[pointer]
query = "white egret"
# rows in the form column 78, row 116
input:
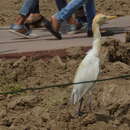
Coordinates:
column 89, row 67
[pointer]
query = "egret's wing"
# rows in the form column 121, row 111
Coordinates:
column 87, row 71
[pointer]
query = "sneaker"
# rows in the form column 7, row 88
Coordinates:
column 21, row 30
column 77, row 29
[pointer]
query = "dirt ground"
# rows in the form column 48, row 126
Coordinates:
column 9, row 8
column 50, row 109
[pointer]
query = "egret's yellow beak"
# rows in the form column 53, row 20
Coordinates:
column 111, row 17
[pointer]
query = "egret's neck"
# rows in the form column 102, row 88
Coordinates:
column 97, row 38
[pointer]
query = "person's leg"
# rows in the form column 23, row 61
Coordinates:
column 61, row 4
column 80, row 15
column 65, row 13
column 71, row 7
column 90, row 14
column 29, row 6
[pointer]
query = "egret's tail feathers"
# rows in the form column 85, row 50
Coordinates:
column 74, row 98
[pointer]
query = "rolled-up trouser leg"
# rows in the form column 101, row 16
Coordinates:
column 69, row 9
column 29, row 6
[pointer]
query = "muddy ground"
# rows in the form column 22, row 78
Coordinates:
column 50, row 109
column 9, row 8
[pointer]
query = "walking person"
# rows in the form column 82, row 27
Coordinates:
column 30, row 8
column 30, row 14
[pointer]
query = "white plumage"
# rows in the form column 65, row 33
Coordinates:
column 88, row 70
column 89, row 67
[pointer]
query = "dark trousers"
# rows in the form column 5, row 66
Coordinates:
column 61, row 4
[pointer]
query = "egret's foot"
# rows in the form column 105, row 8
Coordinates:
column 77, row 114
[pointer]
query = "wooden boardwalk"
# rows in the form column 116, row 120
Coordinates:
column 10, row 43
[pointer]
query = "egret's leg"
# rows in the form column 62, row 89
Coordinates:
column 79, row 108
column 90, row 101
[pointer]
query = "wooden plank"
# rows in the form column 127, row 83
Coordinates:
column 10, row 43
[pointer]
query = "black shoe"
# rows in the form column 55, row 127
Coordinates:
column 49, row 27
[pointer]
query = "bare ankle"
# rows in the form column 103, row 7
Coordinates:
column 55, row 23
column 20, row 19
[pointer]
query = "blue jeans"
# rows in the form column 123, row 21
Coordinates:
column 73, row 5
column 29, row 6
column 32, row 6
column 62, row 3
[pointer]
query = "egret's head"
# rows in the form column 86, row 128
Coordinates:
column 101, row 18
